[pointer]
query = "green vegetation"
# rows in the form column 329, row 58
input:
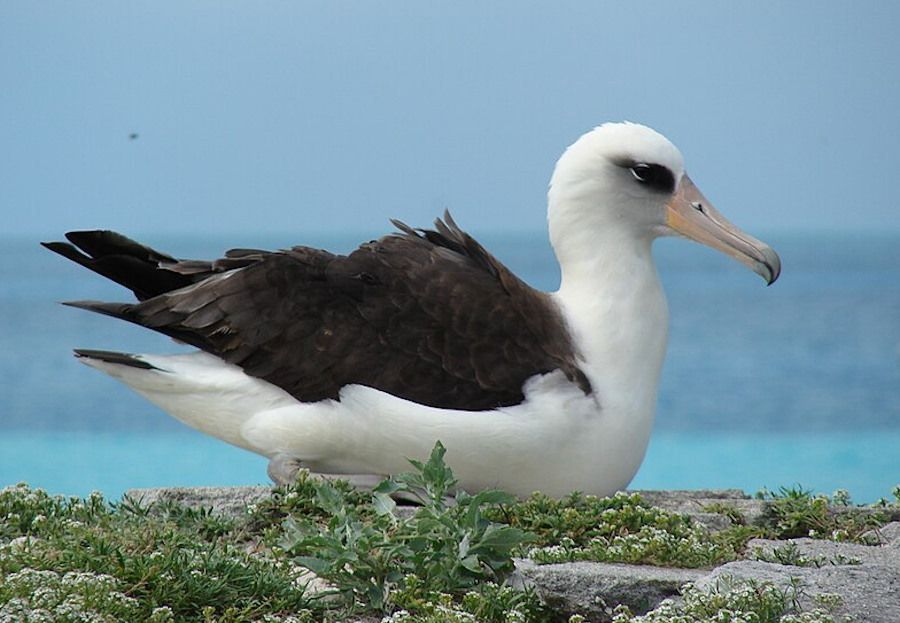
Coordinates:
column 125, row 563
column 790, row 555
column 618, row 529
column 489, row 603
column 443, row 561
column 737, row 602
column 449, row 547
column 796, row 512
column 726, row 510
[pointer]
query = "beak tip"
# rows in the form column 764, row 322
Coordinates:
column 771, row 265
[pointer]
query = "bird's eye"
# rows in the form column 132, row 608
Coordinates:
column 655, row 176
column 641, row 172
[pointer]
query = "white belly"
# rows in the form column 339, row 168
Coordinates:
column 558, row 440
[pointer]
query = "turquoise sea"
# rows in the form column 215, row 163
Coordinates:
column 798, row 383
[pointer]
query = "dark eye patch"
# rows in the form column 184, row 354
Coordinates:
column 654, row 176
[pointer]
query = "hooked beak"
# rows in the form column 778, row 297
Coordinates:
column 690, row 214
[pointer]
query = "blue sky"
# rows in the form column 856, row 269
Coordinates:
column 267, row 117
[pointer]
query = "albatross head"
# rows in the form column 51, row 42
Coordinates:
column 624, row 183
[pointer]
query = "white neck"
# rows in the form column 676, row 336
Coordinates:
column 611, row 297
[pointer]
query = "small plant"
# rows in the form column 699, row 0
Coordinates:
column 790, row 554
column 300, row 498
column 450, row 547
column 893, row 503
column 795, row 512
column 841, row 497
column 735, row 516
column 735, row 602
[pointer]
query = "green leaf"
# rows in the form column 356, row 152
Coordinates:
column 388, row 486
column 471, row 563
column 383, row 504
column 375, row 596
column 316, row 565
column 492, row 496
column 463, row 547
column 500, row 538
column 329, row 498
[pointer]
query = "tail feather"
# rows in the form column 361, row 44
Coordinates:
column 121, row 259
column 101, row 242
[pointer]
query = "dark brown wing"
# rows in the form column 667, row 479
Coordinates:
column 429, row 316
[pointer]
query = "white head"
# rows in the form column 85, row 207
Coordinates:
column 624, row 184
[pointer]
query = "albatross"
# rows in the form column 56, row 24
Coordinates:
column 350, row 364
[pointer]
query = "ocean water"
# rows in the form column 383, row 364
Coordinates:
column 798, row 383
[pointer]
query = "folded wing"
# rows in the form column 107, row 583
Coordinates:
column 426, row 315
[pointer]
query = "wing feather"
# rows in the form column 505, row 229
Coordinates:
column 427, row 315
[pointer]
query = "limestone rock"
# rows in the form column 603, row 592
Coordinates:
column 696, row 503
column 228, row 501
column 821, row 553
column 888, row 534
column 593, row 589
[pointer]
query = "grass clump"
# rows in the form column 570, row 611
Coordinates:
column 735, row 601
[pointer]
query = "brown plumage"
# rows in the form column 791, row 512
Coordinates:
column 426, row 315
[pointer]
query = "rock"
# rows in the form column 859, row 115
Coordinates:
column 698, row 502
column 888, row 534
column 593, row 589
column 822, row 553
column 714, row 522
column 677, row 497
column 869, row 591
column 891, row 533
column 231, row 502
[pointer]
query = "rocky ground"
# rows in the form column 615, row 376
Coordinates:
column 861, row 582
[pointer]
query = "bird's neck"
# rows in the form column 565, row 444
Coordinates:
column 613, row 302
